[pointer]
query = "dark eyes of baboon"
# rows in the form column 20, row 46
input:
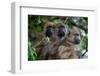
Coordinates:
column 49, row 31
column 61, row 31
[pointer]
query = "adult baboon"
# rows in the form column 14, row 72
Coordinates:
column 68, row 49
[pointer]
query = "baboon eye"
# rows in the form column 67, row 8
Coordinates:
column 49, row 31
column 61, row 31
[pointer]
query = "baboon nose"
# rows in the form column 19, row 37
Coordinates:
column 77, row 41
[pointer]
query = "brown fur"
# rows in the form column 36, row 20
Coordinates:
column 49, row 51
column 67, row 50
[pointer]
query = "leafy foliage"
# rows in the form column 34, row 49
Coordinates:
column 32, row 55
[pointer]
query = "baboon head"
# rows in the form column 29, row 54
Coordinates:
column 74, row 35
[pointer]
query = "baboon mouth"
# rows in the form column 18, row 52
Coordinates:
column 75, row 42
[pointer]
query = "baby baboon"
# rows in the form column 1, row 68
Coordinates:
column 56, row 34
column 68, row 49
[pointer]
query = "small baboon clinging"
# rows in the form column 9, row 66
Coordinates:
column 68, row 49
column 56, row 34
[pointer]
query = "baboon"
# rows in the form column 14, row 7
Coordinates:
column 56, row 34
column 68, row 49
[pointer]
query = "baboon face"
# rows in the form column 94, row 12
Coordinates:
column 61, row 31
column 56, row 31
column 74, row 35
